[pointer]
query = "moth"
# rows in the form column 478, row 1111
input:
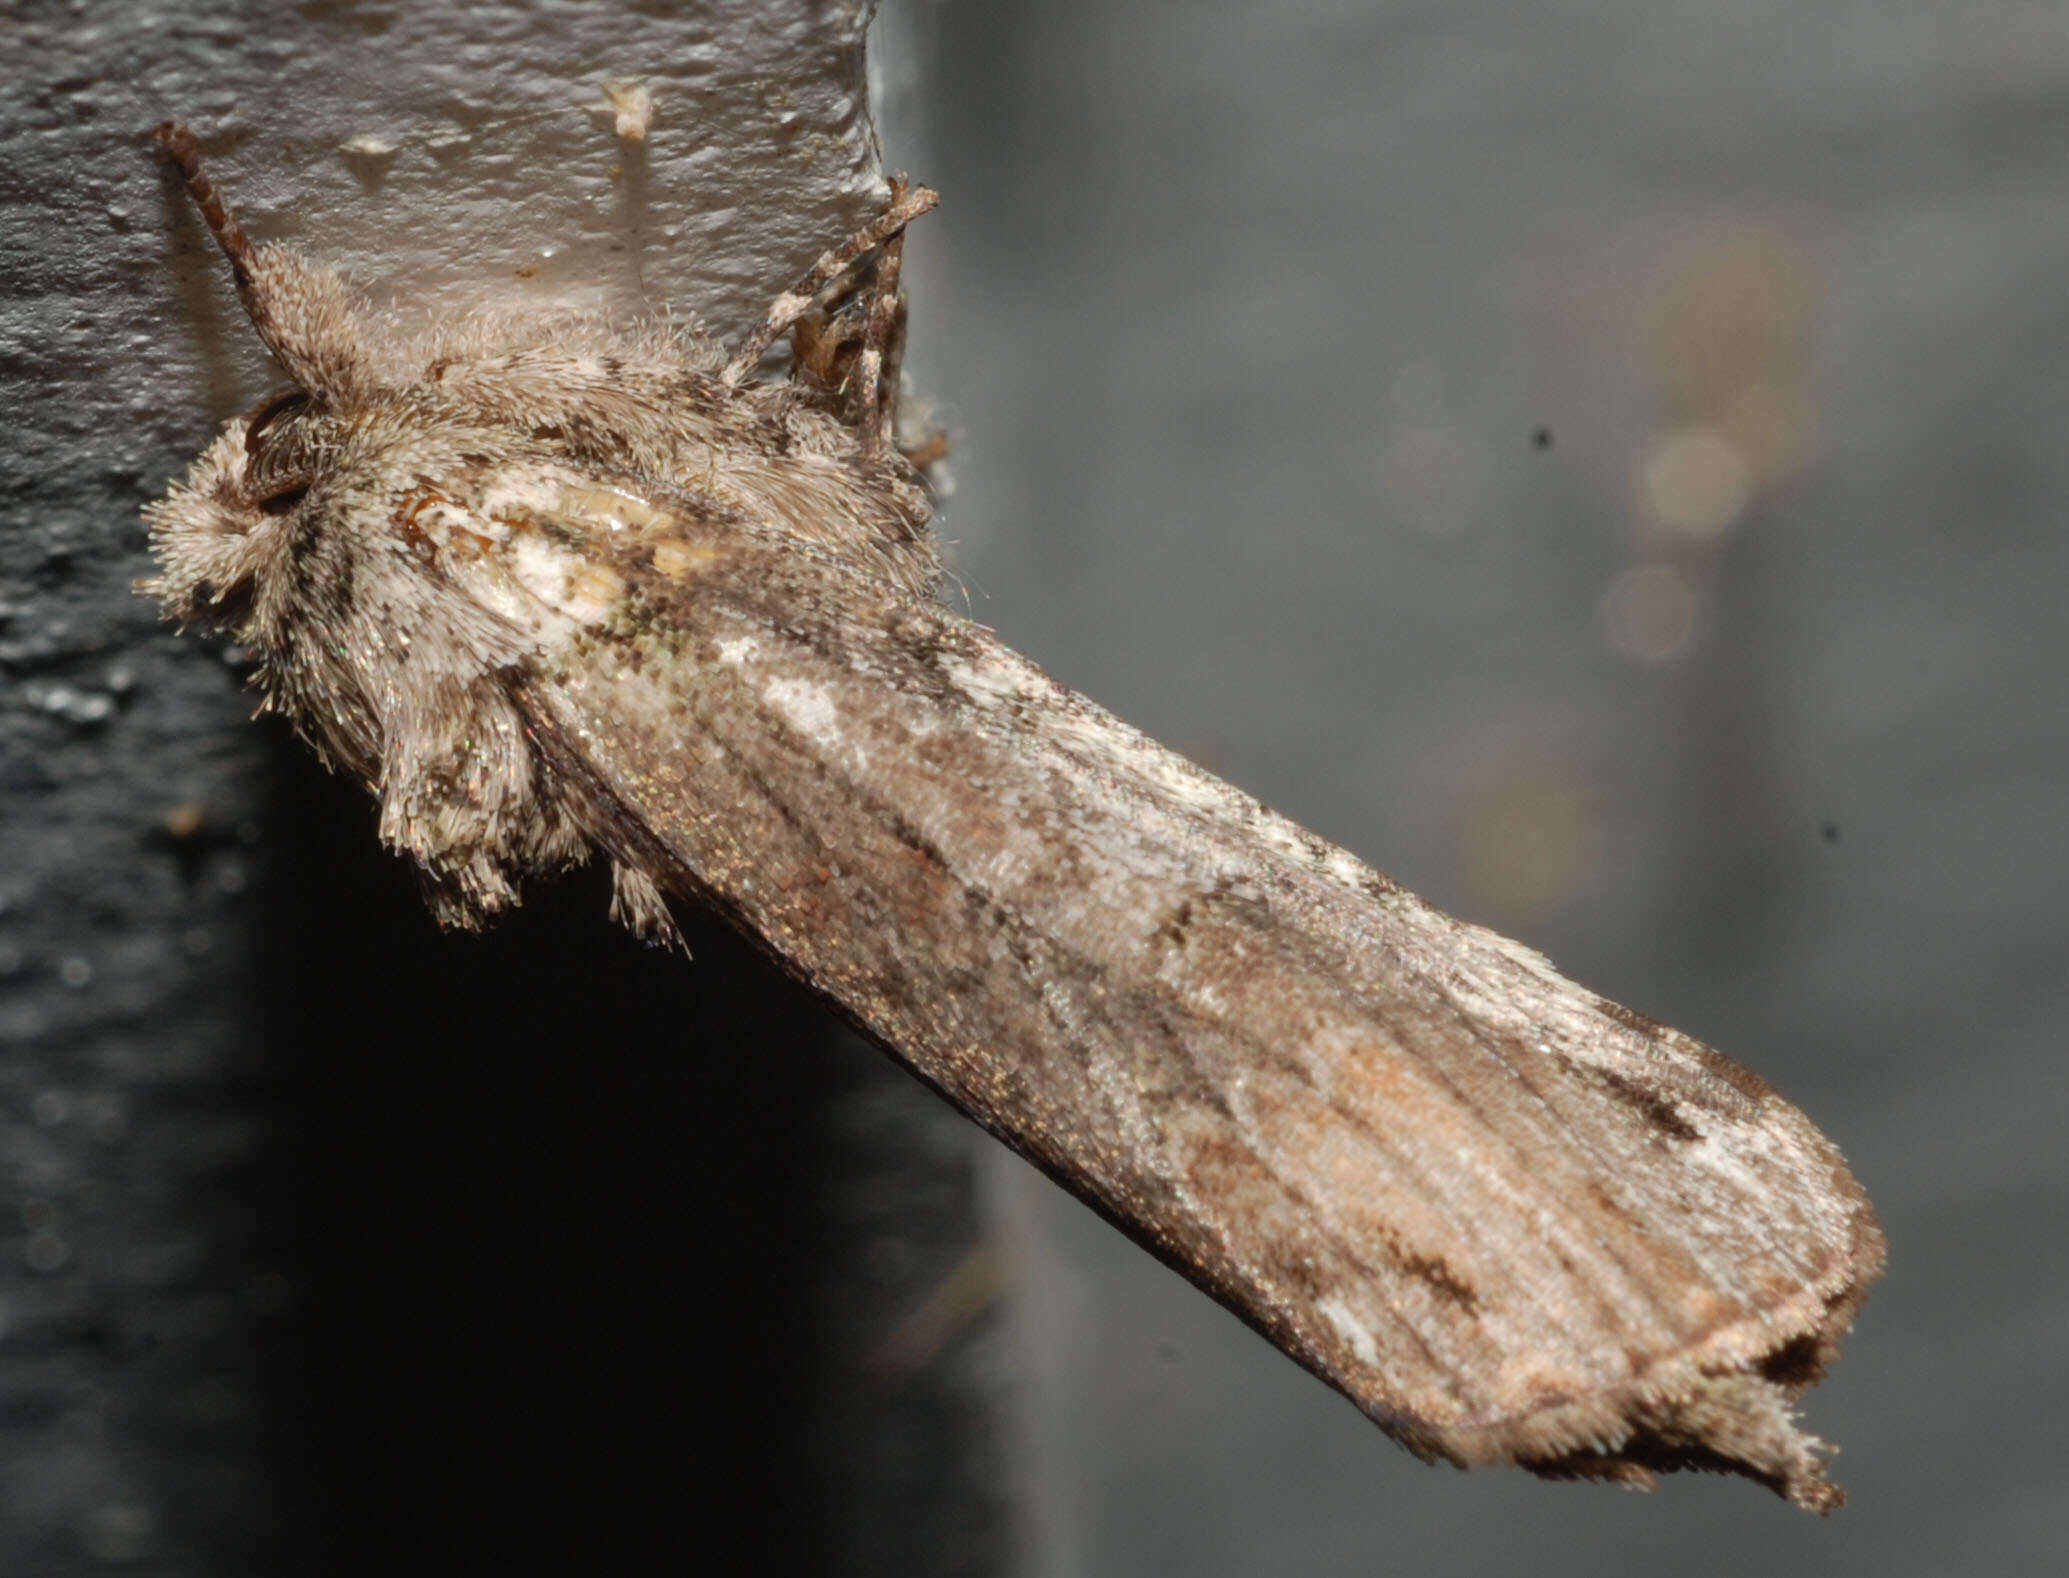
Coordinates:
column 553, row 588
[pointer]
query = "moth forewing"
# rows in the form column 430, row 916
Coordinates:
column 1507, row 1218
column 549, row 587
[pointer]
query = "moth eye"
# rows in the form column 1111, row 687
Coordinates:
column 225, row 606
column 283, row 501
column 281, row 405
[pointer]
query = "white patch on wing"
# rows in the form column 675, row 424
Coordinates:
column 1351, row 1329
column 994, row 682
column 509, row 494
column 1346, row 867
column 564, row 581
column 441, row 518
column 807, row 707
column 540, row 568
column 738, row 651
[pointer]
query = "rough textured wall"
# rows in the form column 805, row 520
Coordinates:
column 329, row 1242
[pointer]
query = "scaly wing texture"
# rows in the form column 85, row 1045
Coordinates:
column 1507, row 1218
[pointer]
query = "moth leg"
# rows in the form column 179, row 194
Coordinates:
column 824, row 282
column 823, row 345
column 931, row 446
column 835, row 349
column 894, row 341
column 883, row 330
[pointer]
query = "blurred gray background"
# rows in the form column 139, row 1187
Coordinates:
column 1607, row 465
column 1601, row 464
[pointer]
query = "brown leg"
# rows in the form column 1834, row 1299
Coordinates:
column 827, row 351
column 931, row 446
column 823, row 284
column 876, row 401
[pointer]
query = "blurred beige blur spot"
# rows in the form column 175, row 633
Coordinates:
column 1696, row 482
column 1733, row 338
column 1731, row 341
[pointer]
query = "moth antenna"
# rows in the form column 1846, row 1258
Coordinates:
column 822, row 282
column 301, row 313
column 179, row 144
column 185, row 153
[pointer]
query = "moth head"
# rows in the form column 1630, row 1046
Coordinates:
column 216, row 535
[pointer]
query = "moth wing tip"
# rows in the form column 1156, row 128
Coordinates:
column 1739, row 1423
